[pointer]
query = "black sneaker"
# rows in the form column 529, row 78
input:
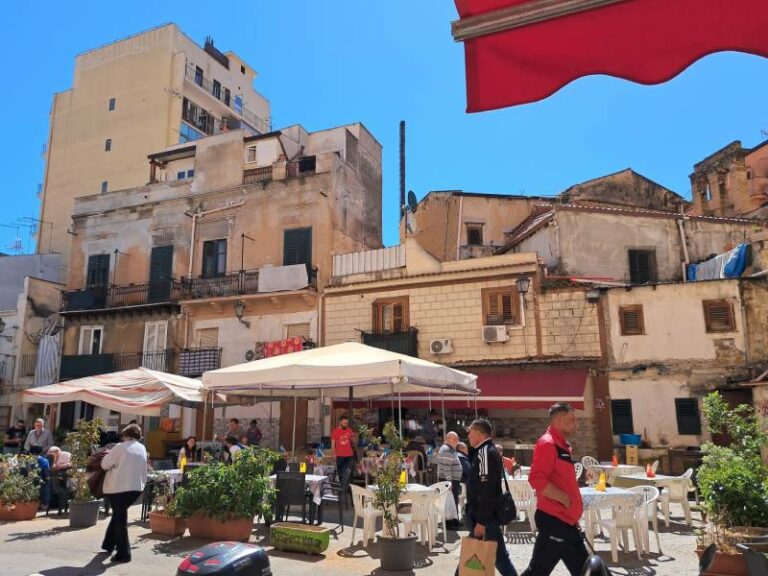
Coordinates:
column 121, row 558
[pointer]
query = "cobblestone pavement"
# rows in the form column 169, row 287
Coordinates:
column 48, row 546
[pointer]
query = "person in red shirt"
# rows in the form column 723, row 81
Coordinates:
column 342, row 445
column 558, row 500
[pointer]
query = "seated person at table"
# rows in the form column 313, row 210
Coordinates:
column 44, row 465
column 416, row 446
column 62, row 460
column 189, row 452
column 253, row 434
column 231, row 448
column 15, row 436
column 509, row 463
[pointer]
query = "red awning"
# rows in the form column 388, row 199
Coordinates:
column 545, row 44
column 510, row 389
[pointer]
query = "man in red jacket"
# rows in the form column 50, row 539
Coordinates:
column 558, row 500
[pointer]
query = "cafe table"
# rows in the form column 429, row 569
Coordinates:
column 314, row 484
column 659, row 480
column 612, row 472
column 595, row 500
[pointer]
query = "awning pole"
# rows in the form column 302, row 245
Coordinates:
column 350, row 409
column 205, row 414
column 293, row 439
column 320, row 416
column 445, row 422
column 475, row 399
column 400, row 412
column 271, row 422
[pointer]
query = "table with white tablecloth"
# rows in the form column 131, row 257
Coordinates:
column 314, row 484
column 451, row 512
column 611, row 471
column 175, row 475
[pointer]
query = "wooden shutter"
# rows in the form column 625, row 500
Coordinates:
column 500, row 307
column 390, row 316
column 718, row 316
column 621, row 417
column 160, row 273
column 688, row 418
column 642, row 266
column 631, row 320
column 208, row 338
column 297, row 247
column 296, row 330
column 98, row 271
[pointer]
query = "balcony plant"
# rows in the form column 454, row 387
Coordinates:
column 84, row 507
column 165, row 519
column 19, row 487
column 220, row 500
column 732, row 481
column 396, row 552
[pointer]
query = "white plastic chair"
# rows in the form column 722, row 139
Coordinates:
column 578, row 468
column 420, row 515
column 361, row 499
column 655, row 466
column 692, row 487
column 624, row 519
column 443, row 492
column 525, row 500
column 462, row 500
column 676, row 491
column 648, row 511
column 590, row 465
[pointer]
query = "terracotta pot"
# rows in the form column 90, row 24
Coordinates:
column 160, row 523
column 19, row 511
column 203, row 526
column 726, row 564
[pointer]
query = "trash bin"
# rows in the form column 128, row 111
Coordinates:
column 226, row 559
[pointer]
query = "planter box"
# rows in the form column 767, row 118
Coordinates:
column 84, row 514
column 19, row 511
column 296, row 537
column 160, row 523
column 726, row 564
column 203, row 526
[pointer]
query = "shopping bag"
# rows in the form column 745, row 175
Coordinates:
column 478, row 557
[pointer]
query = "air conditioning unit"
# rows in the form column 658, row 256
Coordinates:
column 441, row 346
column 495, row 334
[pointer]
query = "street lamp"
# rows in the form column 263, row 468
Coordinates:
column 239, row 312
column 523, row 283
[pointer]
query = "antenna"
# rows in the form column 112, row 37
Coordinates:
column 402, row 168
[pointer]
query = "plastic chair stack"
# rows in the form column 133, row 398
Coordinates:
column 648, row 511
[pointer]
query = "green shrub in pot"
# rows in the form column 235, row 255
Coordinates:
column 20, row 481
column 241, row 489
column 82, row 444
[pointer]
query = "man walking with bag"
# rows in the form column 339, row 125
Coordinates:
column 558, row 500
column 484, row 495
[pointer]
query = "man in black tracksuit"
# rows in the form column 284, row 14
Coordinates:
column 484, row 493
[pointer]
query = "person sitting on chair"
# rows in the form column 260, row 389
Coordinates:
column 62, row 460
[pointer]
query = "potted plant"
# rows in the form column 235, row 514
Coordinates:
column 732, row 483
column 165, row 519
column 396, row 553
column 371, row 444
column 84, row 507
column 19, row 487
column 220, row 500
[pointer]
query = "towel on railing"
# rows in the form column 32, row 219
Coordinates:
column 279, row 278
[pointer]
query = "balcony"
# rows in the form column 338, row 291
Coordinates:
column 400, row 342
column 257, row 175
column 121, row 296
column 193, row 362
column 301, row 167
column 81, row 365
column 28, row 365
column 234, row 284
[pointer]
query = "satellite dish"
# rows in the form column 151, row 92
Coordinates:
column 412, row 203
column 250, row 355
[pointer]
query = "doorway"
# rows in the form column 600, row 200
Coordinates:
column 287, row 417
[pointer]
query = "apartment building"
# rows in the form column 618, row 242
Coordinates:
column 130, row 98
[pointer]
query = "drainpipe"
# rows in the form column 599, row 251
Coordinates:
column 458, row 229
column 200, row 214
column 685, row 249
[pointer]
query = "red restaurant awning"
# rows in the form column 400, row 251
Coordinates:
column 520, row 51
column 510, row 389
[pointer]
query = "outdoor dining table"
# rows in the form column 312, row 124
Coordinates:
column 314, row 484
column 175, row 475
column 659, row 480
column 369, row 464
column 612, row 472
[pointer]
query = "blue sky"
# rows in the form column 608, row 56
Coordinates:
column 326, row 63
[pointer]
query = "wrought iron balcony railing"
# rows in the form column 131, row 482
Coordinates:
column 194, row 361
column 121, row 296
column 257, row 175
column 234, row 284
column 81, row 365
column 400, row 342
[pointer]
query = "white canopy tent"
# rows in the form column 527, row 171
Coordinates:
column 338, row 371
column 140, row 391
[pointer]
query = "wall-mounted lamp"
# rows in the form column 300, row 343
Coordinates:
column 523, row 284
column 239, row 312
column 593, row 295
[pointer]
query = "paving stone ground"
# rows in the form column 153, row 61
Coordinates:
column 48, row 546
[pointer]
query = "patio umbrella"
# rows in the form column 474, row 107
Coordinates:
column 520, row 51
column 140, row 391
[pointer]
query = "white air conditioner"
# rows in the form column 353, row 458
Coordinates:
column 441, row 346
column 495, row 334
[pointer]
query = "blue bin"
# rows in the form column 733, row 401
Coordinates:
column 630, row 439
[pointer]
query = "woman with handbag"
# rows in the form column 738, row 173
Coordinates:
column 126, row 466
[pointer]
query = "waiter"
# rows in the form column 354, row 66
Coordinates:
column 558, row 500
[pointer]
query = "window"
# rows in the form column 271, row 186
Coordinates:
column 207, row 338
column 501, row 306
column 475, row 234
column 155, row 336
column 238, row 104
column 242, row 69
column 111, row 104
column 107, row 144
column 631, row 320
column 390, row 315
column 91, row 338
column 188, row 134
column 642, row 266
column 718, row 316
column 104, row 186
column 214, row 258
column 688, row 418
column 227, row 96
column 181, row 175
column 250, row 154
column 97, row 272
column 190, row 173
column 198, row 76
column 621, row 417
column 307, row 164
column 296, row 330
column 297, row 247
column 216, row 89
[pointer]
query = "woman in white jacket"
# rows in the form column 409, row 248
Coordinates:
column 126, row 466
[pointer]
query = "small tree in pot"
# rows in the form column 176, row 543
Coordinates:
column 165, row 519
column 396, row 552
column 84, row 507
column 19, row 487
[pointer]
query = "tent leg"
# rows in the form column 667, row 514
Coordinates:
column 205, row 414
column 400, row 413
column 445, row 422
column 293, row 439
